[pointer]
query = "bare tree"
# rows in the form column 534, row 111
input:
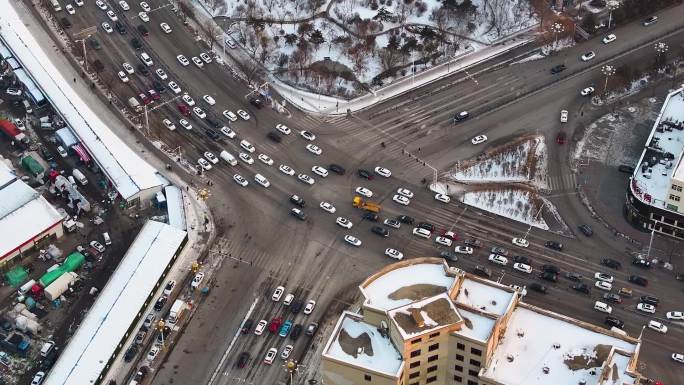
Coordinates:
column 210, row 32
column 187, row 9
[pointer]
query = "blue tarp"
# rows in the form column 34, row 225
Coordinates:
column 66, row 137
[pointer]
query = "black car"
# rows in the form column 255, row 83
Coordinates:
column 242, row 360
column 274, row 136
column 482, row 271
column 550, row 269
column 640, row 262
column 65, row 23
column 120, row 28
column 299, row 214
column 612, row 321
column 143, row 69
column 649, row 20
column 163, row 335
column 143, row 30
column 381, row 231
column 142, row 373
column 365, row 174
column 538, row 287
column 247, row 325
column 582, row 288
column 405, row 219
column 256, row 102
column 136, row 43
column 613, row 264
column 573, row 276
column 427, row 226
column 212, row 134
column 450, row 255
column 130, row 353
column 160, row 303
column 522, row 259
column 554, row 245
column 296, row 332
column 337, row 169
column 373, row 217
column 548, row 276
column 649, row 299
column 47, row 155
column 213, row 122
column 638, row 280
column 586, row 230
column 94, row 43
column 626, row 169
column 296, row 199
column 558, row 69
column 296, row 307
column 461, row 116
column 472, row 242
column 158, row 86
column 612, row 297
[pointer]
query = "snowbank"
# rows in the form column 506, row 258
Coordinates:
column 514, row 204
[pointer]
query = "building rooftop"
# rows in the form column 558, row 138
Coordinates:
column 475, row 326
column 7, row 176
column 361, row 344
column 424, row 316
column 662, row 153
column 489, row 297
column 541, row 348
column 406, row 284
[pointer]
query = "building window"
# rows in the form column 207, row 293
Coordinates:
column 471, row 382
column 674, row 197
column 472, row 372
column 677, row 188
column 475, row 363
column 460, row 346
column 415, row 353
column 433, row 347
column 458, row 368
column 431, row 379
column 459, row 357
column 367, row 377
column 458, row 378
column 433, row 358
column 414, row 364
column 476, row 352
column 416, row 341
column 432, row 368
column 414, row 375
column 433, row 335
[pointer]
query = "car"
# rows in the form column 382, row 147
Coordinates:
column 246, row 158
column 161, row 301
column 479, row 139
column 402, row 200
column 522, row 267
column 296, row 331
column 461, row 116
column 384, row 172
column 274, row 326
column 199, row 112
column 587, row 91
column 205, row 57
column 154, row 95
column 244, row 115
column 204, row 164
column 265, row 159
column 365, row 174
column 70, row 9
column 135, row 42
column 352, row 240
column 318, row 170
column 373, row 217
column 393, row 253
column 603, row 307
column 97, row 246
column 188, row 100
column 498, row 259
column 242, row 360
column 230, row 115
column 287, row 170
column 472, row 242
column 463, row 249
column 442, row 198
column 501, row 251
column 112, row 16
column 197, row 280
column 548, row 276
column 13, row 91
column 391, row 222
column 145, row 6
column 165, row 27
column 649, row 300
column 646, row 308
column 144, row 72
column 228, row 132
column 283, row 129
column 405, row 219
column 38, row 378
column 62, row 152
column 582, row 288
column 107, row 28
column 144, row 98
column 169, row 287
column 247, row 146
column 521, row 242
column 573, row 276
column 609, row 38
column 612, row 297
column 678, row 357
column 604, row 277
column 650, row 20
column 209, row 100
column 554, row 245
column 149, row 320
column 614, row 322
column 326, row 206
column 558, row 69
column 124, row 5
column 143, row 30
column 239, row 179
column 641, row 262
column 174, row 87
column 185, row 124
column 260, row 327
column 140, row 336
column 94, row 43
column 312, row 148
column 79, row 3
column 522, row 259
column 444, row 241
column 211, row 157
column 306, row 179
column 538, row 287
column 310, row 305
column 270, row 356
column 169, row 124
column 285, row 353
column 564, row 116
column 675, row 315
column 197, row 61
column 299, row 214
column 287, row 301
column 603, row 285
column 183, row 60
column 277, row 293
column 588, row 56
column 131, row 352
column 364, row 192
column 482, row 271
column 561, row 138
column 296, row 307
column 611, row 263
column 307, row 135
column 638, row 280
column 100, row 4
column 586, row 230
column 122, row 76
column 405, row 192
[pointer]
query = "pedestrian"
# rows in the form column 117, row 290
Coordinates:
column 74, row 80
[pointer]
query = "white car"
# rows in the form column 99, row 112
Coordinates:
column 391, row 222
column 364, row 192
column 344, row 222
column 78, row 3
column 198, row 62
column 609, row 39
column 145, row 6
column 210, row 101
column 402, row 200
column 260, row 179
column 38, row 378
column 62, row 152
column 265, row 159
column 646, row 308
column 676, row 315
column 247, row 146
column 124, row 5
column 405, row 192
column 260, row 327
column 205, row 57
column 100, row 4
column 479, row 139
column 328, row 207
column 123, row 77
column 444, row 241
column 442, row 198
column 165, row 27
column 246, row 158
column 286, row 352
column 277, row 293
column 588, row 56
column 522, row 267
column 97, row 246
column 463, row 249
column 498, row 259
column 244, row 115
column 522, row 242
column 197, row 280
column 310, row 305
column 603, row 307
column 185, row 124
column 421, row 232
column 161, row 74
column 312, row 148
column 287, row 170
column 107, row 28
column 70, row 9
column 230, row 115
column 128, row 68
column 392, row 253
column 321, row 171
column 678, row 357
column 188, row 99
column 239, row 179
column 228, row 132
column 657, row 326
column 270, row 356
column 564, row 116
column 307, row 135
column 211, row 157
column 169, row 124
column 587, row 91
column 183, row 60
column 384, row 172
column 112, row 16
column 199, row 112
column 352, row 240
column 603, row 285
column 306, row 179
column 174, row 87
column 169, row 287
column 152, row 354
column 204, row 164
column 283, row 129
column 604, row 277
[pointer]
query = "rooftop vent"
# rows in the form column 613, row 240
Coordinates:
column 582, row 382
column 359, row 351
column 521, row 333
column 546, row 370
column 417, row 317
column 510, row 358
column 556, row 346
column 592, row 372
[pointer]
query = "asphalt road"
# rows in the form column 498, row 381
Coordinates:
column 310, row 258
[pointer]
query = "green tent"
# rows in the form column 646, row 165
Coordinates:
column 32, row 166
column 73, row 262
column 16, row 276
column 50, row 277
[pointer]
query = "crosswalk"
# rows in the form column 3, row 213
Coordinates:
column 559, row 183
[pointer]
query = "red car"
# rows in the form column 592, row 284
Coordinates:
column 184, row 109
column 154, row 95
column 274, row 326
column 144, row 98
column 451, row 235
column 560, row 138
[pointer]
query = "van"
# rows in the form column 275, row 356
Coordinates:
column 146, row 59
column 46, row 125
column 27, row 106
column 47, row 348
column 78, row 175
column 602, row 307
column 107, row 239
column 262, row 180
column 26, row 287
column 230, row 159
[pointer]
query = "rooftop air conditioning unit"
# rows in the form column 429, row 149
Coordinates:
column 582, row 382
column 546, row 369
column 556, row 346
column 510, row 358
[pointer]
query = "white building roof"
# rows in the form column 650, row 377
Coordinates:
column 117, row 305
column 129, row 173
column 435, row 312
column 489, row 297
column 175, row 207
column 407, row 284
column 361, row 344
column 6, row 175
column 475, row 326
column 534, row 341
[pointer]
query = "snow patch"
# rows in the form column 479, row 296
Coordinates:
column 515, row 204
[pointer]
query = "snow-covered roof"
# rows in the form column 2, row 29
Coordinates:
column 541, row 348
column 31, row 87
column 618, row 370
column 118, row 304
column 486, row 296
column 475, row 326
column 424, row 316
column 361, row 344
column 24, row 214
column 175, row 207
column 652, row 186
column 6, row 175
column 66, row 137
column 129, row 173
column 403, row 285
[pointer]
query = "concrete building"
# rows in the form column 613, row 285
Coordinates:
column 423, row 322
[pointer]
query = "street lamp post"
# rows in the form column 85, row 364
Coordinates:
column 608, row 71
column 661, row 49
column 612, row 5
column 556, row 28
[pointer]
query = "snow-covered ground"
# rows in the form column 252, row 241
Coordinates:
column 517, row 204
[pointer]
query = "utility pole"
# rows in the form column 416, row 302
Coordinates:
column 612, row 5
column 608, row 71
column 81, row 37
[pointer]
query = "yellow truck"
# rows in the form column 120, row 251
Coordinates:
column 365, row 205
